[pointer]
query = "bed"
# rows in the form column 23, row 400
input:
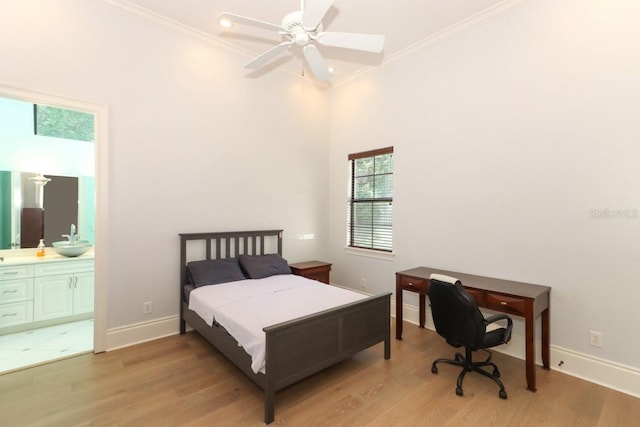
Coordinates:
column 296, row 348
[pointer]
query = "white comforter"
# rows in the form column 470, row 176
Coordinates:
column 245, row 307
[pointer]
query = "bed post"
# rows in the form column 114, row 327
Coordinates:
column 269, row 384
column 183, row 280
column 387, row 339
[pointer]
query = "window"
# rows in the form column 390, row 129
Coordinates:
column 63, row 123
column 371, row 200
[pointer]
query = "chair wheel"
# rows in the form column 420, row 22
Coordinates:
column 502, row 394
column 434, row 370
column 459, row 391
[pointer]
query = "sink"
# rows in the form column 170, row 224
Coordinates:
column 66, row 248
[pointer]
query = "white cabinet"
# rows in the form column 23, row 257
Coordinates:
column 16, row 295
column 63, row 289
column 45, row 292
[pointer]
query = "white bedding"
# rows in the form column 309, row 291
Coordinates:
column 245, row 307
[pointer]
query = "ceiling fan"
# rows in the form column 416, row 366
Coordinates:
column 304, row 28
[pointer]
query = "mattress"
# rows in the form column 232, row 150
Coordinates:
column 245, row 307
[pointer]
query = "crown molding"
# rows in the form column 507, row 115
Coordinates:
column 180, row 28
column 445, row 33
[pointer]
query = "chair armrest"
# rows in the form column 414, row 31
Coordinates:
column 498, row 317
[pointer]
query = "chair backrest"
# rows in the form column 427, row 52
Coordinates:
column 456, row 315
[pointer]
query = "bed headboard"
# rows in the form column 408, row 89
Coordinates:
column 229, row 244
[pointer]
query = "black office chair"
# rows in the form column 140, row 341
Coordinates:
column 457, row 318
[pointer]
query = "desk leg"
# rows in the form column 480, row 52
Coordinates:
column 545, row 338
column 398, row 311
column 530, row 347
column 423, row 309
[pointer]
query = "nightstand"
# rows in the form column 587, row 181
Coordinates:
column 316, row 270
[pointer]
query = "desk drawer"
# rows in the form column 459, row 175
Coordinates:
column 505, row 304
column 477, row 295
column 414, row 284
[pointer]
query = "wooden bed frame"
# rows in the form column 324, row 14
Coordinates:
column 297, row 348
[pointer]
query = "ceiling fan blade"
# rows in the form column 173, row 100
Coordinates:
column 233, row 18
column 267, row 56
column 356, row 41
column 316, row 63
column 313, row 12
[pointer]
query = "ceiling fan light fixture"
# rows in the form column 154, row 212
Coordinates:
column 301, row 38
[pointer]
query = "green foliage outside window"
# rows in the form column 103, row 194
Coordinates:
column 63, row 123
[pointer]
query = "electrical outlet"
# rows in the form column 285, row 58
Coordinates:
column 596, row 339
column 146, row 308
column 363, row 283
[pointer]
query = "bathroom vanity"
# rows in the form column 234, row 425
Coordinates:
column 43, row 291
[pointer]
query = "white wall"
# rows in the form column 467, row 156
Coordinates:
column 508, row 135
column 194, row 145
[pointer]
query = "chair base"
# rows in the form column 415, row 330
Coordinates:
column 469, row 365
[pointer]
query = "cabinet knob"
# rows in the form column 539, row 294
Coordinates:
column 9, row 273
column 503, row 303
column 9, row 314
column 12, row 291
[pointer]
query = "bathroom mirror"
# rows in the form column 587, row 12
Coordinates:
column 28, row 213
column 28, row 160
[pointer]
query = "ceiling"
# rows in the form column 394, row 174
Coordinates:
column 404, row 23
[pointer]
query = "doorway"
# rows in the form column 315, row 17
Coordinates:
column 96, row 326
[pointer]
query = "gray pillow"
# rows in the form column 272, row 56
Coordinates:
column 260, row 266
column 214, row 271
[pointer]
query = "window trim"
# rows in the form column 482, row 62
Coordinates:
column 360, row 250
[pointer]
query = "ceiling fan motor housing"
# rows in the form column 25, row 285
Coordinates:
column 292, row 23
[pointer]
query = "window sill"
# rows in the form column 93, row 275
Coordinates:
column 369, row 253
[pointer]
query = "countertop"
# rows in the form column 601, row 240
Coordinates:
column 28, row 256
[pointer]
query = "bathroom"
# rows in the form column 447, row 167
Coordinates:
column 46, row 191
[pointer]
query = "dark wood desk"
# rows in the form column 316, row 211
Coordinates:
column 520, row 299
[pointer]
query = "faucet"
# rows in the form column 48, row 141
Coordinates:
column 72, row 236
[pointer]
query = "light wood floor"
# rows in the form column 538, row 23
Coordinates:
column 183, row 381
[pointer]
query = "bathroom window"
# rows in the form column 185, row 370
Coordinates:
column 63, row 123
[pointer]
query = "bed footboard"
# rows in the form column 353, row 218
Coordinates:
column 304, row 346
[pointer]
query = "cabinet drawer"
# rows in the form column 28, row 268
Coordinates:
column 505, row 304
column 16, row 290
column 63, row 267
column 16, row 313
column 412, row 283
column 10, row 272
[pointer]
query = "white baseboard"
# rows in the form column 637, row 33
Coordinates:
column 603, row 372
column 599, row 371
column 137, row 333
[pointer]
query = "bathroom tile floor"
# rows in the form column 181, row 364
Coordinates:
column 37, row 346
